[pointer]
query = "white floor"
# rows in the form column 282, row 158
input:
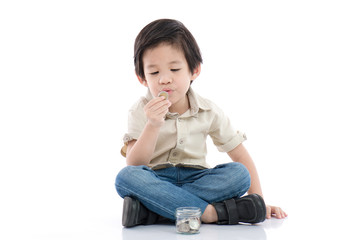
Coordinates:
column 307, row 220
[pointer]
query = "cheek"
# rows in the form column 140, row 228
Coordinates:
column 186, row 83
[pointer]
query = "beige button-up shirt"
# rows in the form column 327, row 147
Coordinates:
column 182, row 138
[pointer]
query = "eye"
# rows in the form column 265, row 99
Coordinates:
column 175, row 70
column 154, row 73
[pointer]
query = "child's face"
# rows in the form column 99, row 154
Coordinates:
column 166, row 69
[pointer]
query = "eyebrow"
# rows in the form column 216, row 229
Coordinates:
column 170, row 63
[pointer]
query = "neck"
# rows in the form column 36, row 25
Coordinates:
column 180, row 107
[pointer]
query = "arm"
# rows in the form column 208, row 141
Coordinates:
column 139, row 151
column 241, row 155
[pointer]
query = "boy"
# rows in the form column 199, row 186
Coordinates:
column 165, row 146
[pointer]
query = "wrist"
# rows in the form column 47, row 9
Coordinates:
column 257, row 191
column 154, row 126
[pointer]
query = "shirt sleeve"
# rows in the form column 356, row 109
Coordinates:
column 223, row 134
column 136, row 123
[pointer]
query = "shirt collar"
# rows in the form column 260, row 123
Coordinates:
column 196, row 102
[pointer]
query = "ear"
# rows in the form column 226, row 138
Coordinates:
column 142, row 81
column 196, row 72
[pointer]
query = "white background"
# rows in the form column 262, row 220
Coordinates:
column 286, row 72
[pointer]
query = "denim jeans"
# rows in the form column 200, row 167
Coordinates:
column 164, row 190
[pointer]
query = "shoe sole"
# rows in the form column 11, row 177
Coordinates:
column 131, row 208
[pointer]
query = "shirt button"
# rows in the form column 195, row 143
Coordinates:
column 175, row 154
column 181, row 141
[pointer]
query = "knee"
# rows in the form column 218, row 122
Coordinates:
column 128, row 173
column 239, row 175
column 127, row 177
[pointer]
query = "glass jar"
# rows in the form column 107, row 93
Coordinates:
column 188, row 220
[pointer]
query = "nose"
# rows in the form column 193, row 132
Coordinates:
column 165, row 79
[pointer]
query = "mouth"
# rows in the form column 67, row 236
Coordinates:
column 167, row 90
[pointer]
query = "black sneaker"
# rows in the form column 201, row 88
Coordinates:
column 247, row 209
column 134, row 213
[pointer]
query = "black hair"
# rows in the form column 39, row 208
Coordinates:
column 166, row 31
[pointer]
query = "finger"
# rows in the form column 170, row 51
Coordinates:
column 161, row 108
column 158, row 113
column 277, row 212
column 158, row 106
column 154, row 102
column 284, row 214
column 268, row 212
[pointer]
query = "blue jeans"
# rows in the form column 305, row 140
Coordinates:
column 164, row 190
